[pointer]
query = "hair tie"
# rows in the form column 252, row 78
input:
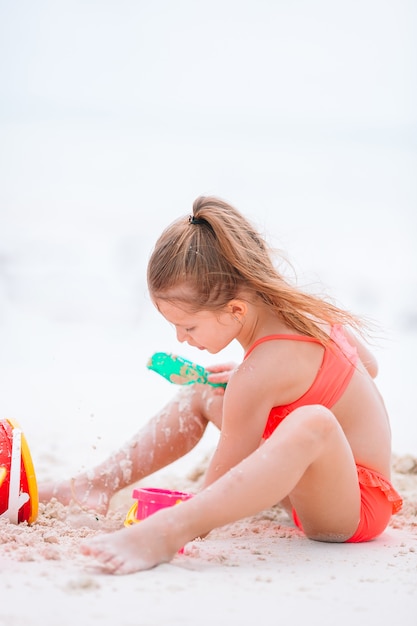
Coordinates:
column 195, row 220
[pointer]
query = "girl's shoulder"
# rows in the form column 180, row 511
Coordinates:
column 285, row 339
column 281, row 366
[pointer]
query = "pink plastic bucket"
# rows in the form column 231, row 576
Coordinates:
column 151, row 500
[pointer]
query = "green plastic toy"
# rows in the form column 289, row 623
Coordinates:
column 178, row 370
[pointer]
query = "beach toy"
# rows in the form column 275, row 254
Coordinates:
column 149, row 500
column 178, row 370
column 18, row 487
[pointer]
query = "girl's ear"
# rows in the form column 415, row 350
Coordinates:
column 238, row 309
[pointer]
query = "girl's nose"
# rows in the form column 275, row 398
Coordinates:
column 181, row 335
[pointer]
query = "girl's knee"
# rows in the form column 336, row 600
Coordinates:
column 312, row 423
column 321, row 420
column 202, row 402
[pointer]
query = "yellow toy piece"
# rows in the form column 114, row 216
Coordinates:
column 131, row 515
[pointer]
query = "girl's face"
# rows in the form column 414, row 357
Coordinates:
column 205, row 330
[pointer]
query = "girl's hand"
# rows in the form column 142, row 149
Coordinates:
column 220, row 374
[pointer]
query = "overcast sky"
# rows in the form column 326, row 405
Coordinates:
column 317, row 62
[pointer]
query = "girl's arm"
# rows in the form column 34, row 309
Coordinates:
column 246, row 408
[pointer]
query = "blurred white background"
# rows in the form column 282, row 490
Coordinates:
column 114, row 116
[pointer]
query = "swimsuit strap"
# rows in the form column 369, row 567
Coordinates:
column 288, row 337
column 336, row 369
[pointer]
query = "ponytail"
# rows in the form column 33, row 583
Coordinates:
column 215, row 255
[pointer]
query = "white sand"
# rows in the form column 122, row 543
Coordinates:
column 259, row 568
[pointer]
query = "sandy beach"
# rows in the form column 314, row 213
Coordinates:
column 259, row 568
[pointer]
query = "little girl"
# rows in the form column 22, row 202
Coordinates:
column 301, row 420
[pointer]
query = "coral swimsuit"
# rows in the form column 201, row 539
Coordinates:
column 379, row 500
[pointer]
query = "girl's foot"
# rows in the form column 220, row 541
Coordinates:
column 80, row 491
column 138, row 547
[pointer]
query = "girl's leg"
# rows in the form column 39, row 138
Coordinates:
column 169, row 435
column 307, row 458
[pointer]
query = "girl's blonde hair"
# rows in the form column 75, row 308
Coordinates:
column 215, row 255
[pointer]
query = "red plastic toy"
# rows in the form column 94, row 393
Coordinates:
column 18, row 487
